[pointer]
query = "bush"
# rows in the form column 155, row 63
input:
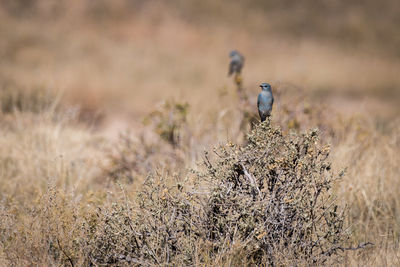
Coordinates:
column 269, row 201
column 274, row 195
column 156, row 230
column 170, row 121
column 130, row 160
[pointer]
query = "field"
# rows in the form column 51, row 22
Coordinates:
column 120, row 132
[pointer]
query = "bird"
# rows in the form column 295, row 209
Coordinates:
column 265, row 101
column 237, row 62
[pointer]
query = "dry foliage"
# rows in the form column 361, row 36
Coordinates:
column 72, row 196
column 272, row 195
column 269, row 196
column 169, row 121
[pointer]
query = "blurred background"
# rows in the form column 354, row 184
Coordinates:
column 75, row 74
column 118, row 59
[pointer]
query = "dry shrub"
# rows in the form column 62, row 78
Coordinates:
column 110, row 235
column 157, row 229
column 267, row 202
column 169, row 121
column 130, row 160
column 274, row 195
column 48, row 234
column 269, row 197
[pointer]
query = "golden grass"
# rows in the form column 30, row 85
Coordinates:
column 370, row 189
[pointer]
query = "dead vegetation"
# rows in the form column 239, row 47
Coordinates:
column 274, row 198
column 159, row 194
column 271, row 195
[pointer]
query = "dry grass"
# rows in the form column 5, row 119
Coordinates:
column 82, row 177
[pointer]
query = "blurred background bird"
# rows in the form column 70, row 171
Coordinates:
column 265, row 101
column 236, row 64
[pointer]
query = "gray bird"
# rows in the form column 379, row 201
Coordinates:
column 265, row 101
column 237, row 62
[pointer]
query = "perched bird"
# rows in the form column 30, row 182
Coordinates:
column 237, row 62
column 265, row 101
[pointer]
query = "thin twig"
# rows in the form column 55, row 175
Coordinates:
column 251, row 179
column 66, row 255
column 360, row 246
